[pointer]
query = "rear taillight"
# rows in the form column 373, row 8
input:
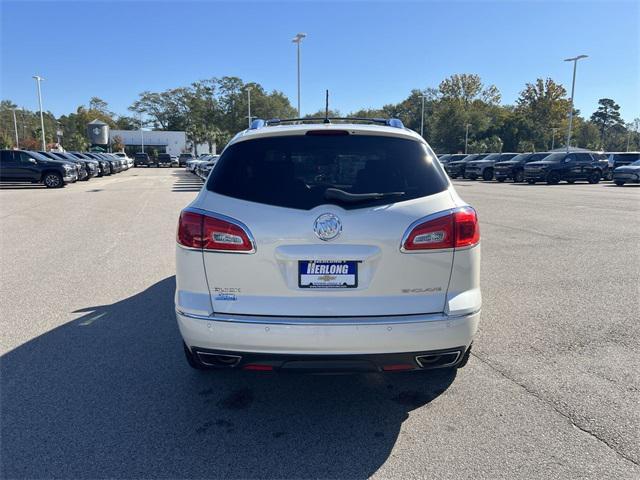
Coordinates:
column 467, row 228
column 455, row 229
column 213, row 233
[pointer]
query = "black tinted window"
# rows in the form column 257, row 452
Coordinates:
column 6, row 157
column 296, row 171
column 627, row 157
column 25, row 156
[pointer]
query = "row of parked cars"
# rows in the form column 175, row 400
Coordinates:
column 56, row 169
column 202, row 165
column 549, row 167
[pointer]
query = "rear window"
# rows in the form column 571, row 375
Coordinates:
column 297, row 171
column 627, row 157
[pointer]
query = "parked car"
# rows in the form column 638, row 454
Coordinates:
column 174, row 161
column 31, row 167
column 454, row 158
column 603, row 160
column 444, row 159
column 620, row 159
column 126, row 158
column 484, row 168
column 104, row 166
column 205, row 166
column 193, row 165
column 514, row 168
column 627, row 174
column 314, row 252
column 164, row 160
column 564, row 166
column 124, row 165
column 184, row 158
column 143, row 160
column 116, row 165
column 81, row 165
column 92, row 166
column 456, row 168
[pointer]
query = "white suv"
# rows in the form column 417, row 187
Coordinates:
column 328, row 247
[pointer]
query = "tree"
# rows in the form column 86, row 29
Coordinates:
column 75, row 141
column 117, row 144
column 606, row 117
column 460, row 100
column 541, row 107
column 99, row 105
column 489, row 144
column 468, row 88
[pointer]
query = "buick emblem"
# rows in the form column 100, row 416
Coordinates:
column 327, row 226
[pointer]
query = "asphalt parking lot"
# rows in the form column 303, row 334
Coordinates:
column 94, row 383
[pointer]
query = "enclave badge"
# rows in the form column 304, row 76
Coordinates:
column 327, row 226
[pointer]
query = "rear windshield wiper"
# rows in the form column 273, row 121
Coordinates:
column 337, row 194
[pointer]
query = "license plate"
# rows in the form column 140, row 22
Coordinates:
column 327, row 274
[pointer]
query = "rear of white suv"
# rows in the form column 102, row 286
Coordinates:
column 328, row 247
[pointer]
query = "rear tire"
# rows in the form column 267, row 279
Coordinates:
column 571, row 181
column 192, row 360
column 531, row 181
column 53, row 180
column 501, row 179
column 595, row 177
column 487, row 175
column 619, row 183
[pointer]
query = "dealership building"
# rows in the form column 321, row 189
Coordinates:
column 160, row 141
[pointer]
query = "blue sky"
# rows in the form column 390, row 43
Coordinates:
column 366, row 53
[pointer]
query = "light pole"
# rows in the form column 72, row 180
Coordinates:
column 59, row 134
column 141, row 135
column 15, row 127
column 38, row 79
column 573, row 86
column 466, row 138
column 422, row 118
column 297, row 40
column 553, row 137
column 249, row 105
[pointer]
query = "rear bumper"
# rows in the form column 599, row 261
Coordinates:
column 327, row 335
column 626, row 177
column 380, row 362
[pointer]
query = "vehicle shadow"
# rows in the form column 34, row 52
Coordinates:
column 110, row 395
column 186, row 182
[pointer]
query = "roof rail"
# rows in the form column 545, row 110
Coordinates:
column 391, row 122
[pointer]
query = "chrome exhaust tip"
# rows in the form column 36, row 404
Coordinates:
column 437, row 360
column 218, row 360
